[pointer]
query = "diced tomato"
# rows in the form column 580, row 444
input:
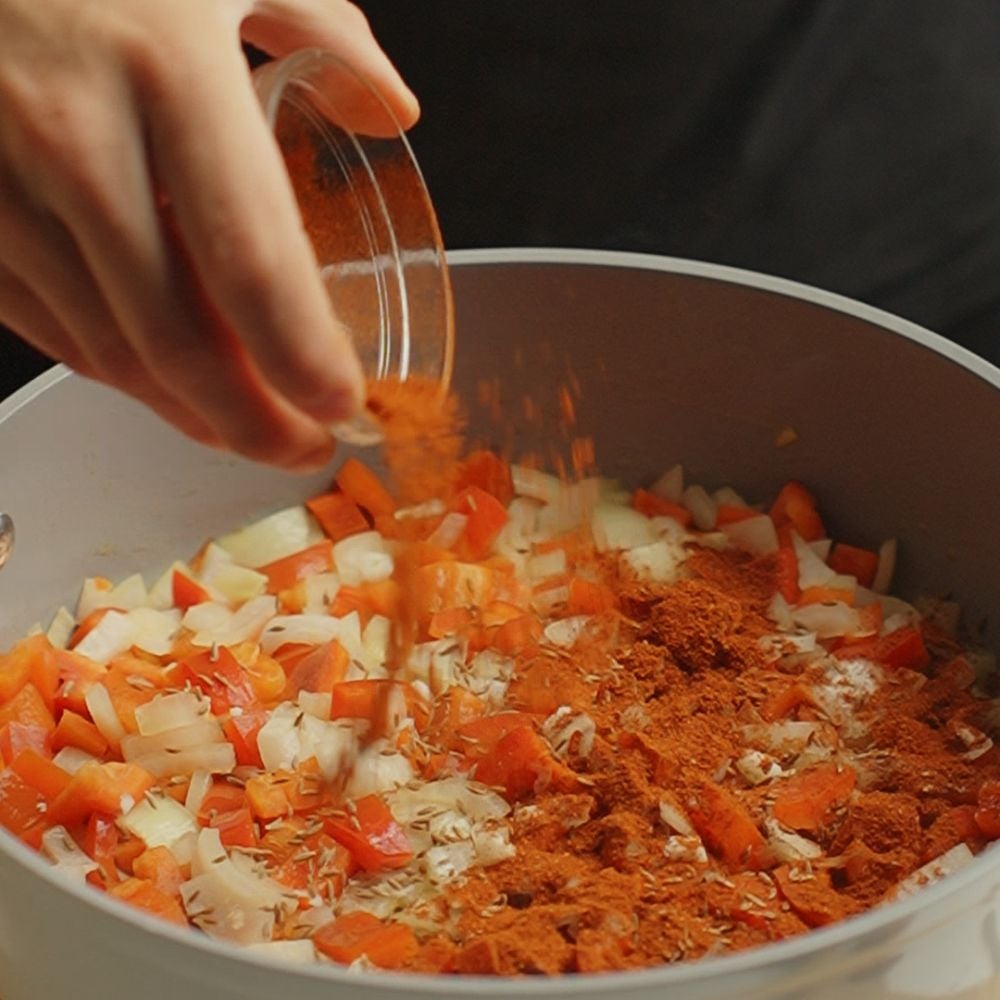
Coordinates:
column 655, row 506
column 283, row 574
column 521, row 763
column 242, row 731
column 187, row 592
column 902, row 648
column 75, row 731
column 795, row 508
column 728, row 830
column 351, row 935
column 220, row 676
column 338, row 515
column 358, row 483
column 807, row 800
column 852, row 561
column 374, row 838
column 22, row 808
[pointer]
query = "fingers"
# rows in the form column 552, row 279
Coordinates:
column 237, row 217
column 282, row 26
column 185, row 360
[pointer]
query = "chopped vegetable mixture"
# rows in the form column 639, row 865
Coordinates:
column 521, row 727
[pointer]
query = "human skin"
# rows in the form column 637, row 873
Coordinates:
column 151, row 238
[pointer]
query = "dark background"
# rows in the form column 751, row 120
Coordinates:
column 850, row 144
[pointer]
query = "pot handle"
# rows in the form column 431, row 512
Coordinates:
column 6, row 537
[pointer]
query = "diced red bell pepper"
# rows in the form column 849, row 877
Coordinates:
column 902, row 648
column 16, row 736
column 521, row 763
column 338, row 515
column 242, row 731
column 795, row 508
column 358, row 483
column 486, row 518
column 728, row 830
column 806, row 800
column 351, row 935
column 374, row 838
column 22, row 808
column 652, row 505
column 187, row 592
column 283, row 574
column 220, row 676
column 853, row 561
column 490, row 473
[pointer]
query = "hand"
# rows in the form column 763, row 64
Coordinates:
column 216, row 317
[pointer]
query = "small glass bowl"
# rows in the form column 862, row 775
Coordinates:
column 366, row 210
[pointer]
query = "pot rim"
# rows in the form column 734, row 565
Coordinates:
column 851, row 930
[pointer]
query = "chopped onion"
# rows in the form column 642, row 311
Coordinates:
column 947, row 864
column 563, row 725
column 320, row 591
column 170, row 711
column 670, row 485
column 102, row 711
column 235, row 583
column 449, row 531
column 727, row 495
column 207, row 730
column 333, row 744
column 209, row 617
column 278, row 739
column 756, row 535
column 886, row 566
column 755, row 767
column 299, row 950
column 228, row 902
column 541, row 567
column 93, row 595
column 822, row 547
column 154, row 631
column 60, row 848
column 784, row 737
column 379, row 769
column 198, row 787
column 813, row 572
column 429, row 508
column 564, row 632
column 273, row 537
column 615, row 526
column 675, row 818
column 71, row 759
column 309, row 630
column 659, row 561
column 315, row 703
column 110, row 637
column 61, row 628
column 160, row 821
column 447, row 862
column 827, row 620
column 362, row 558
column 161, row 594
column 789, row 846
column 219, row 758
column 703, row 508
column 685, row 847
column 535, row 484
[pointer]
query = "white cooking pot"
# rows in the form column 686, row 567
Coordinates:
column 895, row 428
